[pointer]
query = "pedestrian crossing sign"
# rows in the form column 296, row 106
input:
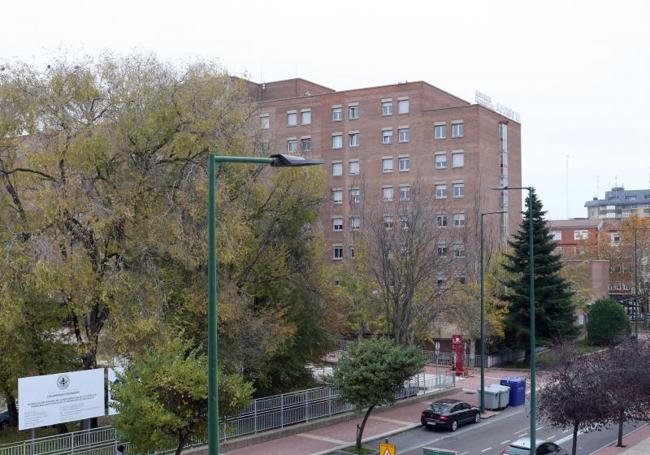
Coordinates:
column 386, row 448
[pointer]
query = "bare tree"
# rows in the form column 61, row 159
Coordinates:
column 414, row 254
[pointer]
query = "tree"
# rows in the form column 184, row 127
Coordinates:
column 371, row 372
column 608, row 323
column 624, row 387
column 554, row 308
column 412, row 259
column 570, row 398
column 162, row 397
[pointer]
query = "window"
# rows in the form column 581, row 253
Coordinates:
column 306, row 144
column 337, row 114
column 292, row 118
column 441, row 191
column 337, row 141
column 387, row 164
column 352, row 253
column 338, row 252
column 457, row 129
column 337, row 169
column 403, row 106
column 353, row 111
column 404, row 193
column 353, row 166
column 292, row 145
column 442, row 249
column 354, row 139
column 441, row 161
column 337, row 224
column 439, row 131
column 355, row 196
column 556, row 235
column 387, row 193
column 461, row 278
column 441, row 220
column 404, row 163
column 265, row 121
column 459, row 250
column 457, row 159
column 337, row 196
column 305, row 117
column 580, row 234
column 387, row 137
column 459, row 189
column 404, row 222
column 441, row 281
column 403, row 134
column 459, row 219
column 614, row 238
column 386, row 108
column 388, row 221
column 355, row 223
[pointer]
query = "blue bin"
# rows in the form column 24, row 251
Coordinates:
column 517, row 390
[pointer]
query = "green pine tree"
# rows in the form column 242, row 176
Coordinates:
column 554, row 306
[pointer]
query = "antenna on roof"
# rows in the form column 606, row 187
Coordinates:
column 597, row 185
column 567, row 187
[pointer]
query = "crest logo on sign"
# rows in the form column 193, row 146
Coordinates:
column 63, row 382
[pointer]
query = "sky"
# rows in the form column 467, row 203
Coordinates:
column 578, row 72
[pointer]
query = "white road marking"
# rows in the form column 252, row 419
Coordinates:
column 464, row 453
column 565, row 431
column 485, row 450
column 504, row 442
column 321, row 438
column 550, row 437
column 523, row 430
column 567, row 438
column 539, row 428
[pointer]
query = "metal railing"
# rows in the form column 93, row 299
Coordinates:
column 263, row 414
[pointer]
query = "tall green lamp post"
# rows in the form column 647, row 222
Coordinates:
column 482, row 398
column 213, row 385
column 531, row 297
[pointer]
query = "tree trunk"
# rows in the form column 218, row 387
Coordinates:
column 574, row 445
column 363, row 425
column 621, row 420
column 181, row 444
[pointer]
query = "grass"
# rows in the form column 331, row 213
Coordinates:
column 11, row 434
column 546, row 358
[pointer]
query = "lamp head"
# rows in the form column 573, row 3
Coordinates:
column 284, row 160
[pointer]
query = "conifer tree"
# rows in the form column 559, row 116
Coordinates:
column 554, row 306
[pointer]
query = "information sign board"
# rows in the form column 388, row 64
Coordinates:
column 59, row 398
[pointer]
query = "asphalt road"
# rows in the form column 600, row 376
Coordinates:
column 491, row 435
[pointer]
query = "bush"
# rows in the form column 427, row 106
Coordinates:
column 607, row 323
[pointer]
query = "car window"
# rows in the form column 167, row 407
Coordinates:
column 546, row 449
column 517, row 451
column 440, row 408
column 458, row 407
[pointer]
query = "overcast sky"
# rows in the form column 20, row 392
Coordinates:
column 577, row 72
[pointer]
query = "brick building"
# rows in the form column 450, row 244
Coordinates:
column 620, row 203
column 378, row 141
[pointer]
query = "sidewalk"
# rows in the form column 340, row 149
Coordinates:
column 636, row 443
column 382, row 422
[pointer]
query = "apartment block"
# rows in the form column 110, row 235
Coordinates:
column 620, row 203
column 377, row 142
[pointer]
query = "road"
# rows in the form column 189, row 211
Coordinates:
column 491, row 435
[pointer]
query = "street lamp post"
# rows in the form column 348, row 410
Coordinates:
column 213, row 383
column 531, row 297
column 482, row 399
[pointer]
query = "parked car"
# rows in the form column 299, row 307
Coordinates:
column 522, row 447
column 449, row 413
column 4, row 419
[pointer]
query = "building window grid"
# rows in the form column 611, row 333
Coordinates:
column 337, row 169
column 387, row 137
column 441, row 161
column 355, row 223
column 306, row 144
column 388, row 193
column 337, row 252
column 353, row 112
column 457, row 130
column 403, row 106
column 265, row 121
column 459, row 190
column 441, row 191
column 439, row 132
column 292, row 145
column 459, row 219
column 405, row 193
column 403, row 135
column 354, row 139
column 337, row 141
column 404, row 164
column 458, row 159
column 337, row 196
column 337, row 114
column 353, row 167
column 387, row 165
column 387, row 108
column 337, row 224
column 441, row 220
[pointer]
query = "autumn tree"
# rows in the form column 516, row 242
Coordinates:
column 413, row 255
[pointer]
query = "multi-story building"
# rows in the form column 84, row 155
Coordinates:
column 575, row 237
column 620, row 203
column 378, row 142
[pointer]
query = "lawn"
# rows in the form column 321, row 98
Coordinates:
column 546, row 358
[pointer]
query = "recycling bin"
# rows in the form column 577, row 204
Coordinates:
column 517, row 389
column 503, row 392
column 490, row 398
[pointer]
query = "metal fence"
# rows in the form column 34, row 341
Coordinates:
column 263, row 414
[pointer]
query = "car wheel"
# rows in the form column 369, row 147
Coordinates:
column 477, row 417
column 454, row 425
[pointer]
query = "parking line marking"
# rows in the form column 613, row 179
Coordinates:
column 504, row 442
column 567, row 438
column 465, row 453
column 522, row 430
column 539, row 428
column 485, row 450
column 550, row 437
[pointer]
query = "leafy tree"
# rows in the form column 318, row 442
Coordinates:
column 570, row 398
column 554, row 308
column 607, row 322
column 371, row 372
column 162, row 397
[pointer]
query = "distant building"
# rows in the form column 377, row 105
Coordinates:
column 620, row 203
column 575, row 237
column 378, row 142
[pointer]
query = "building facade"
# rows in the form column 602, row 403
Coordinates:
column 379, row 142
column 620, row 203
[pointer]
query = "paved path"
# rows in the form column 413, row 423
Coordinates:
column 381, row 422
